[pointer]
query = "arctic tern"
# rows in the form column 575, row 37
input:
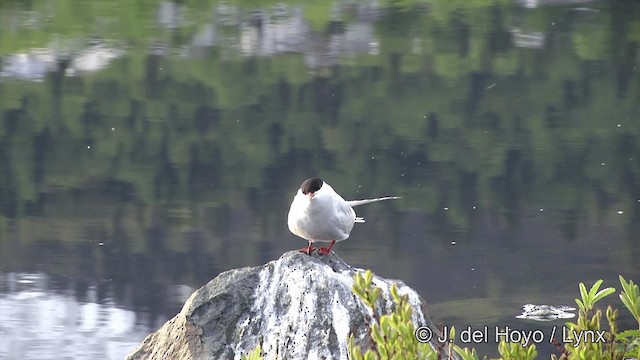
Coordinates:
column 318, row 213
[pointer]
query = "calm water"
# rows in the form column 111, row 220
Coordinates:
column 147, row 146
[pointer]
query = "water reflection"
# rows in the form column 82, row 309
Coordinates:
column 141, row 156
column 39, row 321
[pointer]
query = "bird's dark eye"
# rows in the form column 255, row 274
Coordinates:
column 311, row 185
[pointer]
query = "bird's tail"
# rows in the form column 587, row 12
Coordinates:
column 353, row 203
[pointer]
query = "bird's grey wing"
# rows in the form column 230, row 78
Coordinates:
column 344, row 219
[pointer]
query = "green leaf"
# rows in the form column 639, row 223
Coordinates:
column 359, row 292
column 384, row 353
column 405, row 331
column 256, row 354
column 594, row 288
column 370, row 355
column 394, row 293
column 532, row 352
column 628, row 334
column 376, row 334
column 368, row 277
column 356, row 282
column 602, row 294
column 583, row 293
column 465, row 354
column 384, row 323
column 630, row 297
column 375, row 294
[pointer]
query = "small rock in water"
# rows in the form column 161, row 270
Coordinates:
column 546, row 312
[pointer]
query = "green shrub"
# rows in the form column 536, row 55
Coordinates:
column 393, row 336
column 598, row 343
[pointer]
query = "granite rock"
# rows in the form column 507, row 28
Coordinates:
column 296, row 307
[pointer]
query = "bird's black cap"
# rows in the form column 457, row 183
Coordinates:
column 311, row 185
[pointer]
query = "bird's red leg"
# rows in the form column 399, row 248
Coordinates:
column 326, row 250
column 307, row 250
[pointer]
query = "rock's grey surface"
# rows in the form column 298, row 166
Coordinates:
column 297, row 307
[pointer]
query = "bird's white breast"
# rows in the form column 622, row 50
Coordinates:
column 326, row 217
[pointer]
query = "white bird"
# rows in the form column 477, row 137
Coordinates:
column 318, row 213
